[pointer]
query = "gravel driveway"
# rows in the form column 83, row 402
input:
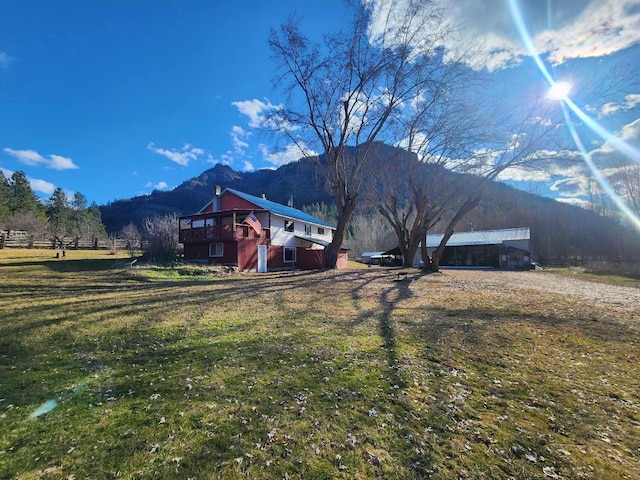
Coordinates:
column 623, row 300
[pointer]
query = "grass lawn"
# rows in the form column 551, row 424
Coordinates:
column 115, row 372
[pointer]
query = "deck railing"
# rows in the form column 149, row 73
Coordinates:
column 220, row 233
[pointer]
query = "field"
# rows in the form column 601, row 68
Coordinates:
column 108, row 371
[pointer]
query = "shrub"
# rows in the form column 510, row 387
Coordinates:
column 628, row 269
column 161, row 235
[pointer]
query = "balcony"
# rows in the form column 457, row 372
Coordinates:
column 220, row 233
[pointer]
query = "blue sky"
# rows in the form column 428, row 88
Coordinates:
column 117, row 98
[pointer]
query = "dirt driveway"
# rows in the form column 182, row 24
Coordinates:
column 618, row 299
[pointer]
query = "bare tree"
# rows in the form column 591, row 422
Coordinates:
column 441, row 125
column 522, row 144
column 369, row 232
column 343, row 96
column 628, row 184
column 161, row 233
column 132, row 236
column 35, row 224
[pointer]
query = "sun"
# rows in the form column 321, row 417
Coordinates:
column 559, row 90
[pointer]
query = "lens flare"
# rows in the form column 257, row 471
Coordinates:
column 559, row 90
column 46, row 407
column 567, row 105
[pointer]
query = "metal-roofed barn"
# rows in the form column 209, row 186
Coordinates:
column 504, row 248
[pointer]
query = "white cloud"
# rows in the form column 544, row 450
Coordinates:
column 5, row 60
column 570, row 177
column 238, row 136
column 607, row 153
column 561, row 30
column 578, row 202
column 256, row 110
column 181, row 157
column 570, row 187
column 248, row 166
column 42, row 186
column 157, row 186
column 603, row 28
column 58, row 162
column 630, row 101
column 36, row 184
column 27, row 157
column 33, row 158
column 290, row 153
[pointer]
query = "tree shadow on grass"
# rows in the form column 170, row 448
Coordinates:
column 68, row 265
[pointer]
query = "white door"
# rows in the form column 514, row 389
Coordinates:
column 262, row 259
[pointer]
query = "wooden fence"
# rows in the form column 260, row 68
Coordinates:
column 21, row 239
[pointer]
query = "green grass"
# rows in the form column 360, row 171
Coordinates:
column 584, row 274
column 193, row 373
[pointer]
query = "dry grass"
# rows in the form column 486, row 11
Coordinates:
column 162, row 374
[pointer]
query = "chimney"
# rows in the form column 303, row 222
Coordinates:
column 290, row 202
column 264, row 196
column 215, row 204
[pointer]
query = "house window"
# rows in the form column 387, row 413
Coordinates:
column 307, row 229
column 216, row 249
column 320, row 231
column 185, row 223
column 288, row 225
column 198, row 223
column 210, row 222
column 289, row 254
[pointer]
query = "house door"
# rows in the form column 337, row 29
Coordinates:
column 262, row 259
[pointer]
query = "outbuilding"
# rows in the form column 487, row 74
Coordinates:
column 504, row 248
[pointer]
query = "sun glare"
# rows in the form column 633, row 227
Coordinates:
column 559, row 90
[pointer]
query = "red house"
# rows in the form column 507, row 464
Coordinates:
column 255, row 234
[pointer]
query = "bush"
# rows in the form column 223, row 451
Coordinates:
column 161, row 234
column 621, row 269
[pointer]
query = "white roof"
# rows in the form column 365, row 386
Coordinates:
column 481, row 237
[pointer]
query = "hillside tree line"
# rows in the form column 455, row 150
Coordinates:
column 59, row 216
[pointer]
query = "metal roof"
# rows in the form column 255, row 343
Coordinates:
column 323, row 243
column 276, row 208
column 481, row 237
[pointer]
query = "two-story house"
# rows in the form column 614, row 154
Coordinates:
column 255, row 234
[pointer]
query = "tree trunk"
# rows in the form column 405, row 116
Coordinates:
column 467, row 206
column 332, row 251
column 424, row 253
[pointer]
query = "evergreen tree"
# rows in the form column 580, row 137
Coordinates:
column 79, row 201
column 95, row 221
column 5, row 211
column 79, row 216
column 58, row 212
column 21, row 196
